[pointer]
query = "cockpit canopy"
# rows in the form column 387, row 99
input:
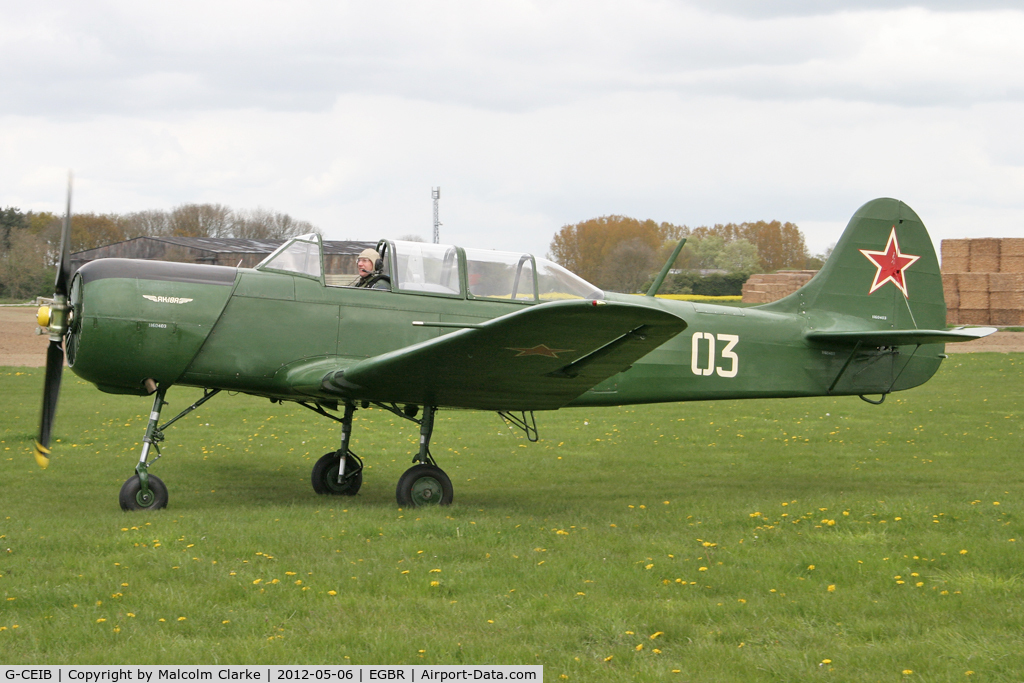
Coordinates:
column 439, row 270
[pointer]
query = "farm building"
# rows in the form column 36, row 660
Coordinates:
column 339, row 257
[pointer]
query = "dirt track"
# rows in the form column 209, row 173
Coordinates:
column 20, row 345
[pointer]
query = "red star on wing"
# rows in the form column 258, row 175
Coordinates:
column 890, row 263
column 539, row 350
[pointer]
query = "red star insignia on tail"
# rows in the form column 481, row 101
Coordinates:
column 539, row 350
column 890, row 263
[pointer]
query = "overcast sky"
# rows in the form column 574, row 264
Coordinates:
column 528, row 115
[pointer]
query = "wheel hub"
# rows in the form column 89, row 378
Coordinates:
column 426, row 490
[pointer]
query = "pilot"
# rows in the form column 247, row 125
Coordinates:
column 369, row 275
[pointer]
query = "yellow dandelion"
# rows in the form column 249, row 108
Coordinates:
column 130, row 614
column 435, row 571
column 226, row 621
column 609, row 657
column 639, row 647
column 257, row 582
column 831, row 588
column 656, row 634
column 907, row 672
column 435, row 583
column 181, row 618
column 702, row 569
column 648, row 566
column 826, row 661
column 332, row 593
column 963, row 552
column 100, row 620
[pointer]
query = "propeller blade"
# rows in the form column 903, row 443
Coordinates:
column 51, row 391
column 57, row 318
column 60, row 285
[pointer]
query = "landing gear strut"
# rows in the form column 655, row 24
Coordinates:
column 339, row 473
column 145, row 491
column 425, row 483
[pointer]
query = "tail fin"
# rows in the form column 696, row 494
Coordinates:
column 883, row 270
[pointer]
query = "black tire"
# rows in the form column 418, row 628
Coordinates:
column 424, row 485
column 325, row 475
column 131, row 497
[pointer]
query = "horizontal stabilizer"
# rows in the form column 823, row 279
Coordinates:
column 900, row 337
column 536, row 358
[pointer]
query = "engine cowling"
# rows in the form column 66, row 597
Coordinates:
column 134, row 320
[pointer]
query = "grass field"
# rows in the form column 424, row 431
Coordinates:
column 820, row 539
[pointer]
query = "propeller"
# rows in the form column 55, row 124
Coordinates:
column 55, row 319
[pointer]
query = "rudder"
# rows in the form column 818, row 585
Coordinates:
column 883, row 270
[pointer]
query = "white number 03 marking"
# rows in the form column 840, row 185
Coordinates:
column 729, row 357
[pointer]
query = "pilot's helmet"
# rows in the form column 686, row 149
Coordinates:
column 370, row 254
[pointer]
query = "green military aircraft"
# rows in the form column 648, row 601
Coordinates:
column 484, row 330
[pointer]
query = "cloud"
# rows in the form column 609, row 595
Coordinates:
column 75, row 59
column 528, row 115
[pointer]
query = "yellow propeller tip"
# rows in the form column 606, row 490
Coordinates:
column 42, row 454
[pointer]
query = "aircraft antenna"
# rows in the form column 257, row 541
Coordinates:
column 436, row 194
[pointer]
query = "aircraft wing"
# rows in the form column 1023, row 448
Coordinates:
column 537, row 358
column 900, row 337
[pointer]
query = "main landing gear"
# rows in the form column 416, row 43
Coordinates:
column 341, row 473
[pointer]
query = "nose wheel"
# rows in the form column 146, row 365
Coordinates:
column 134, row 497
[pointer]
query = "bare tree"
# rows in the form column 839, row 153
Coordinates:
column 200, row 220
column 149, row 223
column 627, row 266
column 263, row 223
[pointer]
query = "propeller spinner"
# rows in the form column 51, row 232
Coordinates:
column 55, row 319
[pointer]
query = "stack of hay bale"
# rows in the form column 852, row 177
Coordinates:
column 763, row 288
column 983, row 281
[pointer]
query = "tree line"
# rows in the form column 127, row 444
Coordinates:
column 30, row 241
column 624, row 254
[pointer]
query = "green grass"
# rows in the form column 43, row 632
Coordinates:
column 703, row 532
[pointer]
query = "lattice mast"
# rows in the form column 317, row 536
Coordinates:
column 436, row 194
